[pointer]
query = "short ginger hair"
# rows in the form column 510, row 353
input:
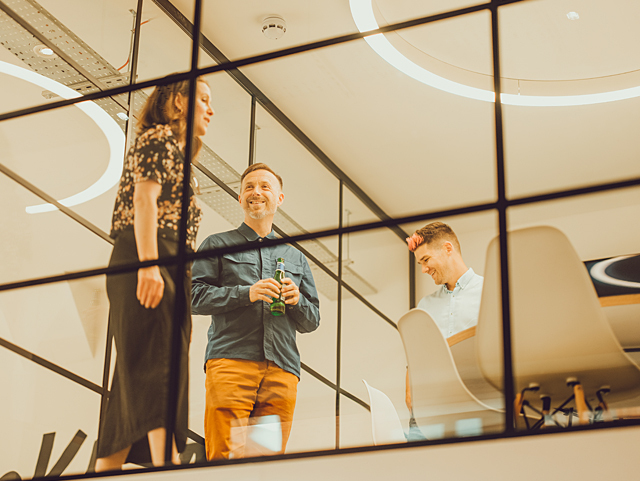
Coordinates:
column 431, row 233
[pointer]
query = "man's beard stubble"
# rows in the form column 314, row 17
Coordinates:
column 268, row 210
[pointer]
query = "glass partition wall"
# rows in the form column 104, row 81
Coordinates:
column 374, row 136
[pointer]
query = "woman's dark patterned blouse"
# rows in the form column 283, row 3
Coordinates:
column 156, row 156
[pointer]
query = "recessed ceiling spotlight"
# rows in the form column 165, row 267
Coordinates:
column 274, row 27
column 43, row 51
column 573, row 16
column 122, row 116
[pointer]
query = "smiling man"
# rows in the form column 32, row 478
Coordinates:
column 252, row 362
column 455, row 306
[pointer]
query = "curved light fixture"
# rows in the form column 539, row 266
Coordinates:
column 597, row 271
column 362, row 12
column 112, row 131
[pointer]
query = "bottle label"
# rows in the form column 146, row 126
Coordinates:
column 280, row 267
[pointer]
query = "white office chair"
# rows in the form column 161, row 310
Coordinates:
column 559, row 331
column 385, row 423
column 442, row 404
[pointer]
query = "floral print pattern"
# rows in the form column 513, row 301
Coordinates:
column 156, row 156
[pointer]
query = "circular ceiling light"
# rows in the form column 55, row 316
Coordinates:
column 43, row 51
column 362, row 12
column 598, row 272
column 573, row 16
column 113, row 133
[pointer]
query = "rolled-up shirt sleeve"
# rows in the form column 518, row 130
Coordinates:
column 306, row 314
column 207, row 296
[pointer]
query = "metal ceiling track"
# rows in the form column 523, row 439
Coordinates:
column 183, row 22
column 97, row 72
column 25, row 24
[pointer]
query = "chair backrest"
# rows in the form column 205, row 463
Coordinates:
column 466, row 362
column 558, row 327
column 436, row 387
column 386, row 427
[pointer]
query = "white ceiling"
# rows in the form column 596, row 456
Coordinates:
column 436, row 148
column 362, row 112
column 410, row 147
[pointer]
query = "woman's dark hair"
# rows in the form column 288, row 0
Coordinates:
column 160, row 108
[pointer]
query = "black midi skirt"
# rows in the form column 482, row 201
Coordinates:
column 138, row 399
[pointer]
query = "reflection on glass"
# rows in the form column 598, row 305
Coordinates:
column 261, row 437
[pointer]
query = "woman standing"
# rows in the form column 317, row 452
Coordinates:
column 145, row 226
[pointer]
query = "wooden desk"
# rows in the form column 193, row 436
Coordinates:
column 623, row 300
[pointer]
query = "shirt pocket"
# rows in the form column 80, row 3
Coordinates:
column 294, row 272
column 239, row 269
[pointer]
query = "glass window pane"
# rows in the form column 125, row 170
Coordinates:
column 311, row 191
column 228, row 133
column 41, row 406
column 318, row 348
column 408, row 145
column 580, row 300
column 292, row 24
column 355, row 423
column 64, row 323
column 372, row 350
column 73, row 50
column 449, row 393
column 43, row 244
column 552, row 53
column 314, row 419
column 164, row 47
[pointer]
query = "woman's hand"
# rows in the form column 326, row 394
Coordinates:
column 145, row 223
column 150, row 287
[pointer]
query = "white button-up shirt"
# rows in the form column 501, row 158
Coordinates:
column 455, row 310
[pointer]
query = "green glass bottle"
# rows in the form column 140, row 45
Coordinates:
column 277, row 306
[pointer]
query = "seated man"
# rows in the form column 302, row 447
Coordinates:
column 455, row 306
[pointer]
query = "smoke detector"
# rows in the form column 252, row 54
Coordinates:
column 274, row 27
